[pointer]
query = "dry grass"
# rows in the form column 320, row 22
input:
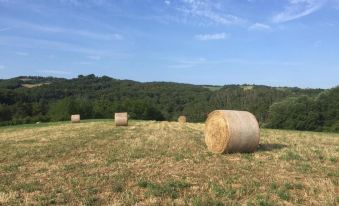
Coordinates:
column 245, row 88
column 159, row 163
column 34, row 85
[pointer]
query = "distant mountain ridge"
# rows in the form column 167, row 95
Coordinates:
column 16, row 82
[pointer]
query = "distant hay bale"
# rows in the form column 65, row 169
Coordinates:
column 75, row 118
column 121, row 119
column 228, row 131
column 182, row 119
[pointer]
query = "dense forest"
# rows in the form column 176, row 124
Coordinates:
column 43, row 99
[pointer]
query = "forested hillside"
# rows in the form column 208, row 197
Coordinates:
column 32, row 99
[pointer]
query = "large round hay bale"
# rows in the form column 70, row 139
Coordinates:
column 228, row 131
column 121, row 119
column 182, row 119
column 75, row 118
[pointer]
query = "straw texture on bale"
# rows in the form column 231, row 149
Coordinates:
column 75, row 118
column 182, row 119
column 121, row 119
column 228, row 131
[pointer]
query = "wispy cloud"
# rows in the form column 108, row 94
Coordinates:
column 208, row 11
column 54, row 72
column 94, row 57
column 75, row 2
column 260, row 62
column 207, row 37
column 52, row 45
column 18, row 24
column 5, row 29
column 87, row 2
column 210, row 63
column 83, row 62
column 185, row 64
column 297, row 9
column 260, row 27
column 21, row 53
column 335, row 4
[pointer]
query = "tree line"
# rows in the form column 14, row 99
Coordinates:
column 33, row 99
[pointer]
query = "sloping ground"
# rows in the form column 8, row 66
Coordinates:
column 34, row 85
column 159, row 163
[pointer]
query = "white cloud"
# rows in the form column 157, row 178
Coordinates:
column 185, row 64
column 206, row 37
column 167, row 2
column 181, row 66
column 5, row 29
column 209, row 11
column 83, row 63
column 75, row 2
column 261, row 62
column 22, row 53
column 259, row 27
column 297, row 9
column 335, row 4
column 54, row 72
column 33, row 43
column 51, row 56
column 94, row 57
column 62, row 30
column 87, row 2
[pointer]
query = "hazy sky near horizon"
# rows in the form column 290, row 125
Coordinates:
column 271, row 42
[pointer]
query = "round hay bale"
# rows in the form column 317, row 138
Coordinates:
column 228, row 131
column 182, row 119
column 75, row 118
column 121, row 119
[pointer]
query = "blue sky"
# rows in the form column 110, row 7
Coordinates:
column 271, row 42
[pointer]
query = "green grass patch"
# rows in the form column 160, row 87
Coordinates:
column 247, row 156
column 283, row 191
column 221, row 191
column 203, row 201
column 263, row 201
column 12, row 167
column 29, row 186
column 303, row 167
column 119, row 181
column 169, row 188
column 333, row 174
column 333, row 159
column 291, row 155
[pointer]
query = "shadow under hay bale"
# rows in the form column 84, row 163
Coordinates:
column 182, row 119
column 121, row 119
column 75, row 118
column 228, row 131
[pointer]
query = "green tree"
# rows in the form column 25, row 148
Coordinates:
column 300, row 113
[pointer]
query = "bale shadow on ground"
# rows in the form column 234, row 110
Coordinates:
column 270, row 147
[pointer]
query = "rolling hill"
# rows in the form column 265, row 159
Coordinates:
column 32, row 99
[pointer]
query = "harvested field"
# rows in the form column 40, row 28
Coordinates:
column 159, row 163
